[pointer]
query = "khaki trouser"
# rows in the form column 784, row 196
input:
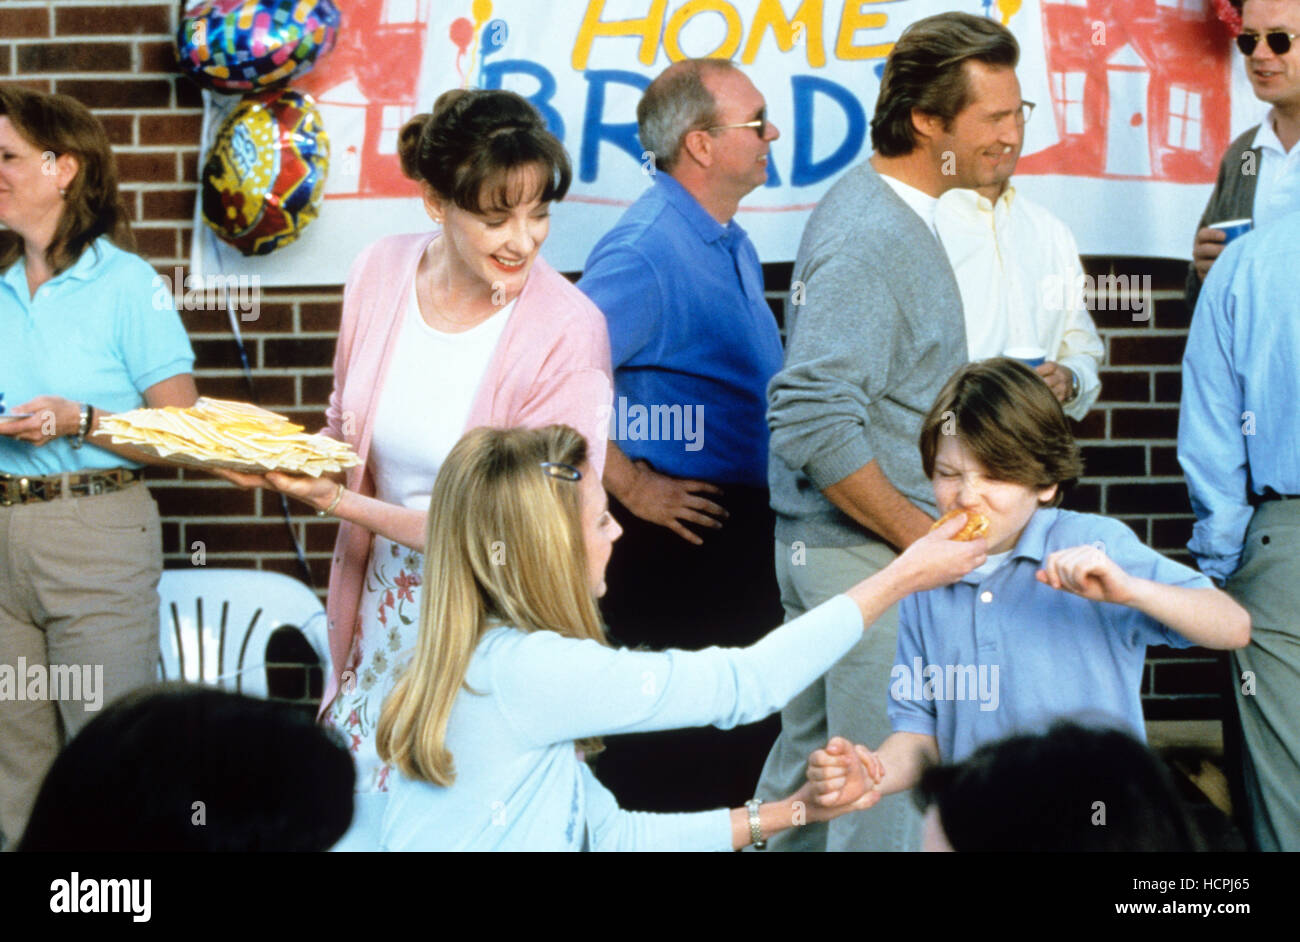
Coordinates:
column 849, row 700
column 78, row 588
column 1268, row 586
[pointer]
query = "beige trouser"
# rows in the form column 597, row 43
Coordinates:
column 1268, row 674
column 849, row 700
column 78, row 587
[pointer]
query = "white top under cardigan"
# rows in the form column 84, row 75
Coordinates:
column 426, row 401
column 519, row 784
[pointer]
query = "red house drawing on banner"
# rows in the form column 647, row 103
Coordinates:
column 366, row 90
column 1140, row 89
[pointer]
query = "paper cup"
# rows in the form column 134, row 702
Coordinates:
column 1233, row 228
column 1030, row 356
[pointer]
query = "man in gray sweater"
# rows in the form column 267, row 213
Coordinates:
column 875, row 328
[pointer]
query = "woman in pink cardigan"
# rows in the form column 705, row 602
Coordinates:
column 442, row 332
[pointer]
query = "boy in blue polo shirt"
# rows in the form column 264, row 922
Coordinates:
column 1057, row 620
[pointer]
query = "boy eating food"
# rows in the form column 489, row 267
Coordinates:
column 1056, row 621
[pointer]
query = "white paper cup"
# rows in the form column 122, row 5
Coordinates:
column 1233, row 228
column 1030, row 356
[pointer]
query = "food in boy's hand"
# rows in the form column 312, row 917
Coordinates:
column 976, row 525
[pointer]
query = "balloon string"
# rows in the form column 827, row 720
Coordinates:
column 208, row 121
column 473, row 54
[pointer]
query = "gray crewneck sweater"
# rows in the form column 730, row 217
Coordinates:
column 874, row 329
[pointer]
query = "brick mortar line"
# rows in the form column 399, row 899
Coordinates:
column 100, row 39
column 104, row 39
column 212, row 556
column 175, row 111
column 1147, row 478
column 1126, row 332
column 1124, row 441
column 263, row 555
column 120, row 4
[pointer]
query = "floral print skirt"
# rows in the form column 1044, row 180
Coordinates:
column 389, row 623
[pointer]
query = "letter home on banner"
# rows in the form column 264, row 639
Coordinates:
column 1134, row 109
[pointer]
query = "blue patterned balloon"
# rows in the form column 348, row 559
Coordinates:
column 237, row 46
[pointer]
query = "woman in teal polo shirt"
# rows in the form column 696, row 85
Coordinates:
column 86, row 332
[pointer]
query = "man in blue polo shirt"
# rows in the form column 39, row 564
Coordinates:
column 694, row 344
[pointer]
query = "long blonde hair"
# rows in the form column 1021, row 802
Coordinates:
column 504, row 546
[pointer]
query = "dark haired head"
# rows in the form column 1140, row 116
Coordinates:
column 187, row 768
column 926, row 71
column 1075, row 788
column 472, row 149
column 92, row 207
column 1007, row 417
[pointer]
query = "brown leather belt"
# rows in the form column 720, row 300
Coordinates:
column 15, row 489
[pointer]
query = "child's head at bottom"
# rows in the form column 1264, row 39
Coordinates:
column 996, row 443
column 1080, row 786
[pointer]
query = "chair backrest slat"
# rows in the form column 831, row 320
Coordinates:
column 252, row 603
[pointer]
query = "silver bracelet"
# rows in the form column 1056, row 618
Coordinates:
column 334, row 503
column 755, row 830
column 85, row 419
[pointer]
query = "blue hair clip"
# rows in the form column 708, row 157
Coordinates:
column 558, row 469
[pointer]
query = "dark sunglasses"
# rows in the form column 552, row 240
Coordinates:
column 759, row 124
column 1277, row 40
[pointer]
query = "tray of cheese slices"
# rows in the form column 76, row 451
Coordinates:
column 238, row 436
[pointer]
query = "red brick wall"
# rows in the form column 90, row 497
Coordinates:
column 1131, row 464
column 118, row 59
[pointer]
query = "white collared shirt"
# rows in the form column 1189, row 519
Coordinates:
column 1277, row 191
column 1018, row 269
column 920, row 202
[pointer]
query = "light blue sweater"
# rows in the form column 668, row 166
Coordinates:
column 519, row 784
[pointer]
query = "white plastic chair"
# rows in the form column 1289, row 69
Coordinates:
column 216, row 624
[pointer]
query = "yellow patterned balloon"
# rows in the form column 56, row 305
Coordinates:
column 265, row 175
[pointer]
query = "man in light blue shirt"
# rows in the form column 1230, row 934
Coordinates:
column 1239, row 445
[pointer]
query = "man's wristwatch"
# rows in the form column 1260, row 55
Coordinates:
column 83, row 425
column 1075, row 389
column 755, row 830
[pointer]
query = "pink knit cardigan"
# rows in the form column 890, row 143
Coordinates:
column 551, row 365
